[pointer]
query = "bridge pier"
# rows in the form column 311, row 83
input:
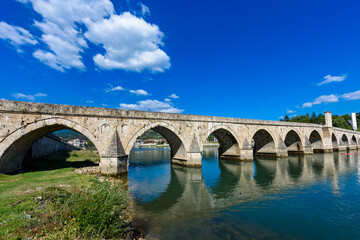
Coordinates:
column 114, row 161
column 114, row 165
column 194, row 159
column 353, row 147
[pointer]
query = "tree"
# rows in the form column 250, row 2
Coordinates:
column 286, row 118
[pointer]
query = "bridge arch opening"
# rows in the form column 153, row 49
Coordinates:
column 25, row 143
column 225, row 141
column 335, row 143
column 293, row 142
column 353, row 141
column 263, row 143
column 345, row 142
column 316, row 141
column 166, row 138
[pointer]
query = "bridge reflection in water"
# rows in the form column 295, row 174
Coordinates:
column 179, row 202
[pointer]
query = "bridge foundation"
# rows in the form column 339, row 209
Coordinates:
column 114, row 161
column 114, row 165
column 194, row 159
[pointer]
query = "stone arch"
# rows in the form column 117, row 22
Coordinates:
column 316, row 141
column 263, row 143
column 16, row 144
column 293, row 142
column 344, row 140
column 229, row 144
column 172, row 136
column 353, row 141
column 335, row 142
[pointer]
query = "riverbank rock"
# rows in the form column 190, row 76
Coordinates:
column 88, row 170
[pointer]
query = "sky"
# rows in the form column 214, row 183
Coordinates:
column 254, row 59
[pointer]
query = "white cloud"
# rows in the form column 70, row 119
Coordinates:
column 351, row 96
column 130, row 44
column 40, row 95
column 61, row 27
column 140, row 92
column 289, row 111
column 151, row 105
column 173, row 96
column 167, row 100
column 322, row 99
column 49, row 59
column 104, row 105
column 16, row 35
column 90, row 101
column 113, row 89
column 29, row 97
column 144, row 10
column 281, row 117
column 329, row 79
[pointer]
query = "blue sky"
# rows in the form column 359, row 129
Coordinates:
column 248, row 59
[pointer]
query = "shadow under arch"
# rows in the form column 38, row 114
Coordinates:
column 335, row 143
column 229, row 145
column 172, row 136
column 353, row 140
column 263, row 143
column 293, row 142
column 18, row 142
column 316, row 141
column 344, row 141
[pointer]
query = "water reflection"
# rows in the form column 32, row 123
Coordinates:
column 169, row 195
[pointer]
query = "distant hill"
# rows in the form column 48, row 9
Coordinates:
column 68, row 134
column 150, row 134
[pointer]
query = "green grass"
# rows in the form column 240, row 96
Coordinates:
column 50, row 201
column 51, row 171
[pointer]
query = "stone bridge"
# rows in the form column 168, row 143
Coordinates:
column 114, row 132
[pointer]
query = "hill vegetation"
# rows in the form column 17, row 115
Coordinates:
column 343, row 121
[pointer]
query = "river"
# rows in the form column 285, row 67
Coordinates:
column 299, row 197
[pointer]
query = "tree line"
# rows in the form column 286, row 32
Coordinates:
column 343, row 121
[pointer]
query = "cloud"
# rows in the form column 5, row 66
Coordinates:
column 329, row 79
column 129, row 42
column 140, row 92
column 167, row 100
column 144, row 10
column 29, row 97
column 40, row 95
column 16, row 35
column 90, row 101
column 173, row 96
column 113, row 89
column 151, row 105
column 351, row 96
column 62, row 29
column 289, row 111
column 322, row 99
column 104, row 105
column 281, row 117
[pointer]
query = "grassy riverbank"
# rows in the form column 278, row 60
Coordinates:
column 50, row 201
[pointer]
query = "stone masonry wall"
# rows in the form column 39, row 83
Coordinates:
column 49, row 144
